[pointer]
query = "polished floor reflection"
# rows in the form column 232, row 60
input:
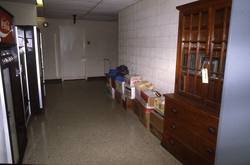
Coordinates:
column 80, row 124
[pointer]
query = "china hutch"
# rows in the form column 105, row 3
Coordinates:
column 192, row 113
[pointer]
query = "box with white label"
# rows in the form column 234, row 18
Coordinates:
column 159, row 104
column 120, row 86
column 110, row 91
column 139, row 86
column 130, row 92
column 130, row 80
column 147, row 100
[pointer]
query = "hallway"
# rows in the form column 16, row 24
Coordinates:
column 80, row 124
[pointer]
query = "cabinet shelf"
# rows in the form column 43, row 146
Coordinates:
column 194, row 48
column 218, row 49
column 194, row 41
column 219, row 42
column 203, row 27
column 220, row 25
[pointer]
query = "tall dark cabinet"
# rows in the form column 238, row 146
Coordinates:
column 34, row 67
column 192, row 112
column 13, row 133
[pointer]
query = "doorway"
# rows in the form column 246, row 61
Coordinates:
column 72, row 40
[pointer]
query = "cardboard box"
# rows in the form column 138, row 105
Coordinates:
column 120, row 86
column 159, row 104
column 156, row 121
column 109, row 80
column 156, row 125
column 113, row 84
column 130, row 92
column 130, row 80
column 147, row 100
column 137, row 107
column 139, row 86
column 118, row 97
column 110, row 91
column 156, row 132
column 127, row 103
column 159, row 114
column 144, row 118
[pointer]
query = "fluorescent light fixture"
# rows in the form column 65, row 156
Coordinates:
column 39, row 2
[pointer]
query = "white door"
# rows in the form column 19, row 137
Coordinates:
column 72, row 52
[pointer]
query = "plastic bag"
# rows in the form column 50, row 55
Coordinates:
column 123, row 70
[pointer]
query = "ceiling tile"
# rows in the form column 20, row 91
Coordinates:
column 101, row 10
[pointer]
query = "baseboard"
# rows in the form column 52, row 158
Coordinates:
column 53, row 80
column 96, row 78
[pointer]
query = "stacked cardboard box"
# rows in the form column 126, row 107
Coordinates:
column 147, row 100
column 110, row 91
column 137, row 107
column 131, row 80
column 137, row 95
column 119, row 91
column 156, row 125
column 120, row 86
column 146, row 106
column 139, row 86
column 110, row 87
column 129, row 94
column 127, row 103
column 157, row 117
column 159, row 104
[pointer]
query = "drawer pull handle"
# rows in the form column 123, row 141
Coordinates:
column 209, row 150
column 171, row 142
column 172, row 126
column 211, row 130
column 174, row 111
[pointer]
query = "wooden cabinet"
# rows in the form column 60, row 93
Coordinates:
column 190, row 125
column 192, row 112
column 202, row 43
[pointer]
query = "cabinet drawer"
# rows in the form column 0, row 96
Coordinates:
column 190, row 138
column 182, row 152
column 197, row 122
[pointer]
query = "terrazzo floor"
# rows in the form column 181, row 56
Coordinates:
column 81, row 124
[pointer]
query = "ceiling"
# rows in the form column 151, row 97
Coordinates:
column 97, row 10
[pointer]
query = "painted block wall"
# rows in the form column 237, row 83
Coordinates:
column 233, row 145
column 148, row 41
column 25, row 14
column 103, row 37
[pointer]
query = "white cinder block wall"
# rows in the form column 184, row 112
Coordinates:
column 147, row 44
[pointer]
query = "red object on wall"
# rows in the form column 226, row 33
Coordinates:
column 6, row 27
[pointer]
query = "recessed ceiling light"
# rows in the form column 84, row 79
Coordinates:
column 39, row 2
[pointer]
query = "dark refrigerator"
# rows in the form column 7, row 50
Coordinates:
column 32, row 49
column 13, row 134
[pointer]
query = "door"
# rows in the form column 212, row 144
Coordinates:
column 72, row 52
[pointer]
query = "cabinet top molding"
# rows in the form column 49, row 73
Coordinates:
column 204, row 3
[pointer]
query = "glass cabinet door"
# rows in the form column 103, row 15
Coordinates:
column 203, row 44
column 218, row 51
column 193, row 51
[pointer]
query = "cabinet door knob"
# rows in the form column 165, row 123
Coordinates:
column 174, row 111
column 172, row 126
column 211, row 130
column 209, row 150
column 171, row 142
